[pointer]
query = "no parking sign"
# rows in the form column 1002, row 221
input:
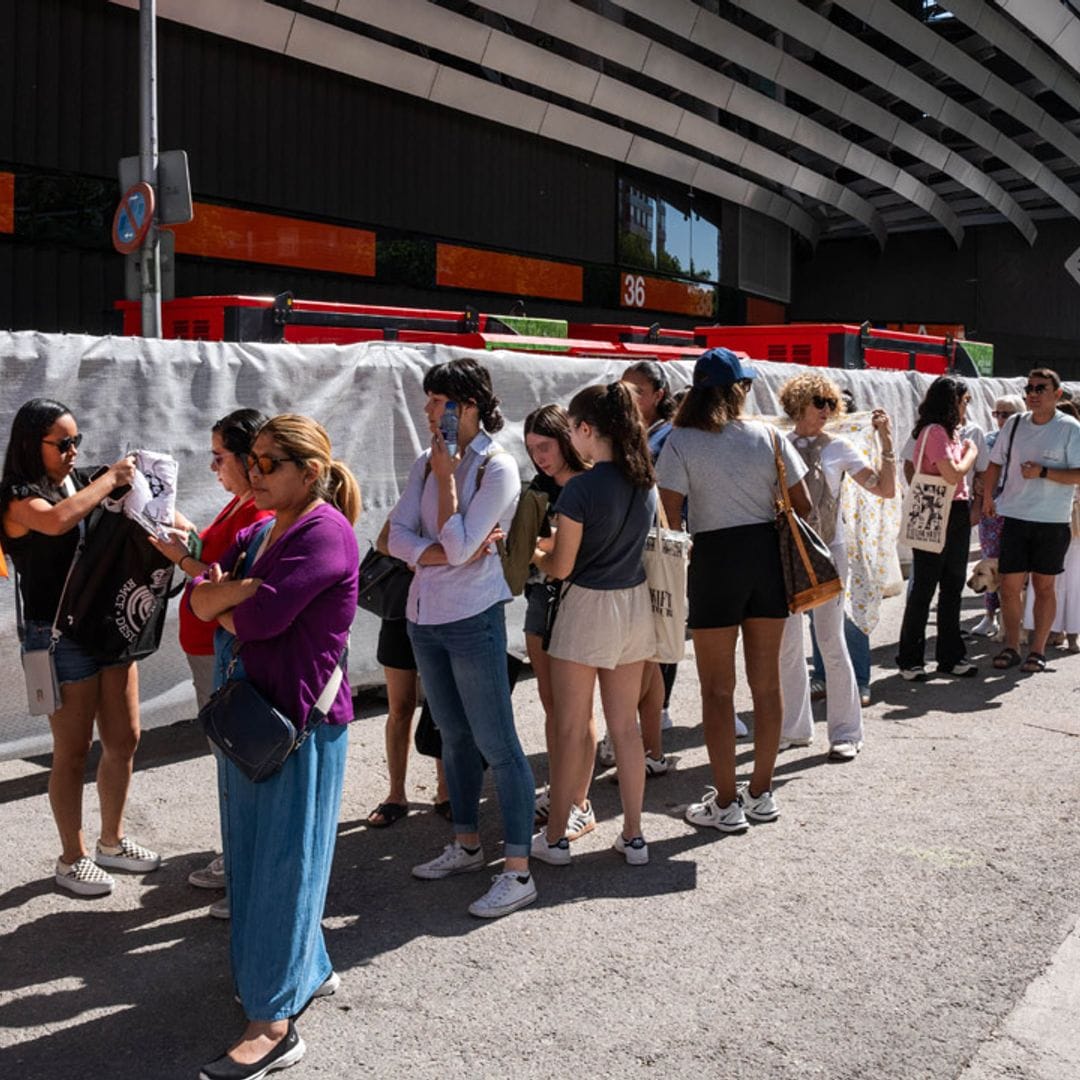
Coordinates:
column 133, row 218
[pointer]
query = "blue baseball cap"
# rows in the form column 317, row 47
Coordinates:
column 721, row 367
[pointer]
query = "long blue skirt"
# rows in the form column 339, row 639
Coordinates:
column 279, row 846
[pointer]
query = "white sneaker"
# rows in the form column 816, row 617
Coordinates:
column 741, row 730
column 509, row 891
column 220, row 909
column 914, row 674
column 728, row 819
column 127, row 855
column 211, row 876
column 790, row 744
column 328, row 987
column 635, row 851
column 582, row 820
column 557, row 854
column 666, row 723
column 987, row 626
column 453, row 860
column 542, row 807
column 655, row 766
column 847, row 750
column 83, row 877
column 864, row 696
column 758, row 807
column 605, row 752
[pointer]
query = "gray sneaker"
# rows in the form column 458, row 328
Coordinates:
column 509, row 891
column 127, row 855
column 728, row 819
column 211, row 876
column 453, row 860
column 220, row 909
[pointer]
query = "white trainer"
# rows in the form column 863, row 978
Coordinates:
column 758, row 807
column 741, row 730
column 728, row 819
column 656, row 766
column 509, row 891
column 635, row 851
column 666, row 723
column 453, row 860
column 557, row 854
column 987, row 626
column 582, row 820
column 845, row 750
column 605, row 752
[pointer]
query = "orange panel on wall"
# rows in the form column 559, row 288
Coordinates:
column 7, row 202
column 490, row 271
column 764, row 312
column 222, row 232
column 661, row 294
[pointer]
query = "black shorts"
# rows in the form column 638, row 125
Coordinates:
column 1036, row 547
column 735, row 575
column 395, row 648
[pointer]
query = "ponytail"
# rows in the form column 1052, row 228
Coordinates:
column 343, row 491
column 612, row 411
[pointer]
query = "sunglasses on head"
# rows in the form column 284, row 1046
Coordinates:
column 1036, row 388
column 66, row 443
column 829, row 403
column 266, row 464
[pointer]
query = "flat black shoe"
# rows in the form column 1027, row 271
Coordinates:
column 287, row 1052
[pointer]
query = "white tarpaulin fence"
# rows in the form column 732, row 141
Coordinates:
column 131, row 393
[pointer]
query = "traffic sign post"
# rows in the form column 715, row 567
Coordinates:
column 149, row 268
column 133, row 219
column 173, row 189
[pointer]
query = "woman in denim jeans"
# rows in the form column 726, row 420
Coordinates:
column 454, row 506
column 43, row 501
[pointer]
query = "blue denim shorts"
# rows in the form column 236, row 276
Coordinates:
column 72, row 663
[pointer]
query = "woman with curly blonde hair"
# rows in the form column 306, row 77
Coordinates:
column 812, row 400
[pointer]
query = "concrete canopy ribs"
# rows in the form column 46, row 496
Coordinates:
column 846, row 118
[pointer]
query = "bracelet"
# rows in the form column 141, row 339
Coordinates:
column 888, row 457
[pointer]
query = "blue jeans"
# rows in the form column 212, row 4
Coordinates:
column 858, row 647
column 279, row 846
column 463, row 668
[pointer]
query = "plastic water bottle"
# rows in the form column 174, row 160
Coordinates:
column 448, row 427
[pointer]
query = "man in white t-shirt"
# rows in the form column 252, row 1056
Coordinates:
column 1037, row 455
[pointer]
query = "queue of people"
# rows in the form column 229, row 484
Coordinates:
column 272, row 592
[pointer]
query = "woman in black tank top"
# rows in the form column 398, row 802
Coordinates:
column 43, row 500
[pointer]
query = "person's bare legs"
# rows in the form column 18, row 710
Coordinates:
column 714, row 653
column 650, row 708
column 401, row 697
column 541, row 665
column 761, row 651
column 118, row 729
column 1045, row 610
column 572, row 696
column 1010, row 590
column 620, row 689
column 73, row 733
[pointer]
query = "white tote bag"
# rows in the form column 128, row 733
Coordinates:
column 924, row 516
column 666, row 554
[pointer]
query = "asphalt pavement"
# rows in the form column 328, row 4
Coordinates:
column 912, row 914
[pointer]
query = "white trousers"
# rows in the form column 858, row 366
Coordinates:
column 842, row 709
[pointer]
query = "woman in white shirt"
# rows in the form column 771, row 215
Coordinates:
column 812, row 400
column 452, row 509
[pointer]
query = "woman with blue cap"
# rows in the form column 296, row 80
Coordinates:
column 725, row 467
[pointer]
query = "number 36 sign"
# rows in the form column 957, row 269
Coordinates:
column 663, row 294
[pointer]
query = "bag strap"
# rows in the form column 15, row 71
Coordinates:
column 1015, row 422
column 317, row 713
column 68, row 488
column 784, row 501
column 789, row 511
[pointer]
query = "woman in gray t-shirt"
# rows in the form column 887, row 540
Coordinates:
column 724, row 466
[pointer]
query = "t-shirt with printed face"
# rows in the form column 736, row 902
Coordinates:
column 1055, row 444
column 615, row 517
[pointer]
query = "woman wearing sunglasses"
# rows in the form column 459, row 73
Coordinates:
column 812, row 400
column 44, row 499
column 286, row 589
column 230, row 443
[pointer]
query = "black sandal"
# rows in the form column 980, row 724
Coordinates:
column 443, row 810
column 1007, row 658
column 1034, row 663
column 389, row 812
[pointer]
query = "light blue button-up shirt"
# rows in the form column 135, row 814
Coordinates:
column 460, row 589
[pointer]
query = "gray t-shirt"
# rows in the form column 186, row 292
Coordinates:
column 728, row 476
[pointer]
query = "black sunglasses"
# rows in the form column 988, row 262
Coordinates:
column 829, row 403
column 1036, row 388
column 267, row 464
column 66, row 443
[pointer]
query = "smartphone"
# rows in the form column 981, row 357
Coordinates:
column 448, row 427
column 194, row 545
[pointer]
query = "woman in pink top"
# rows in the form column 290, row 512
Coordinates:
column 940, row 452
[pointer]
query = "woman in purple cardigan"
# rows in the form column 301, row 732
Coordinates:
column 291, row 612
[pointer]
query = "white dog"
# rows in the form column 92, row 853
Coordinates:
column 985, row 578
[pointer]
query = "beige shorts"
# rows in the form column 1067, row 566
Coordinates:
column 604, row 628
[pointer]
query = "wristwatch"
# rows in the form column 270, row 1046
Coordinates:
column 1042, row 473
